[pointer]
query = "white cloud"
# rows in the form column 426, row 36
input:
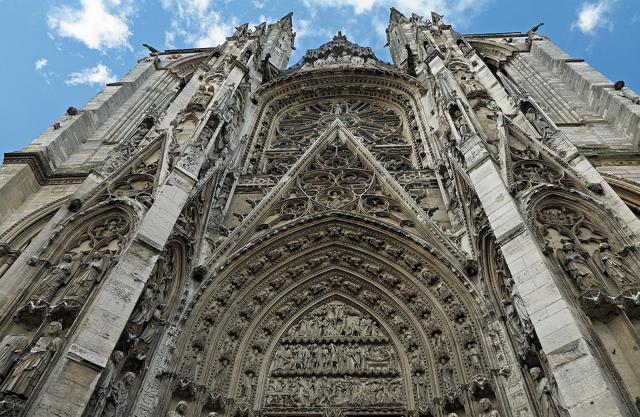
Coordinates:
column 455, row 11
column 99, row 24
column 592, row 16
column 306, row 28
column 196, row 24
column 100, row 74
column 359, row 6
column 40, row 64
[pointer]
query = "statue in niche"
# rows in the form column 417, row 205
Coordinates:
column 576, row 266
column 28, row 370
column 10, row 351
column 181, row 410
column 487, row 409
column 612, row 265
column 200, row 99
column 515, row 327
column 87, row 277
column 157, row 321
column 542, row 126
column 119, row 397
column 518, row 306
column 461, row 124
column 105, row 384
column 54, row 280
column 445, row 372
column 547, row 399
column 145, row 308
column 474, row 358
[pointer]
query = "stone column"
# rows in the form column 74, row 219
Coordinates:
column 582, row 383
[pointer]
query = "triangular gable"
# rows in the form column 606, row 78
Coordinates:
column 337, row 173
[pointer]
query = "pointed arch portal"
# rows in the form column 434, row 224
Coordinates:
column 335, row 311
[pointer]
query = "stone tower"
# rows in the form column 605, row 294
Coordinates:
column 453, row 234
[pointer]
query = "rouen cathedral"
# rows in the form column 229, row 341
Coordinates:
column 454, row 234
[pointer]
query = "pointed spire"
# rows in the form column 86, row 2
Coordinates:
column 286, row 21
column 396, row 16
column 437, row 19
column 241, row 30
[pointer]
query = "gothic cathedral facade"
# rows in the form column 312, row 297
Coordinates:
column 219, row 234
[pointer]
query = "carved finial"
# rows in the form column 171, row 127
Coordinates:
column 396, row 16
column 286, row 20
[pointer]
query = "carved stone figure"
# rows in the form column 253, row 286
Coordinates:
column 487, row 408
column 119, row 397
column 541, row 125
column 445, row 373
column 546, row 396
column 145, row 308
column 103, row 390
column 577, row 268
column 613, row 266
column 473, row 354
column 181, row 410
column 10, row 350
column 461, row 124
column 85, row 279
column 519, row 308
column 28, row 370
column 54, row 280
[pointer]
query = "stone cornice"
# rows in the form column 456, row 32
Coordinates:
column 42, row 172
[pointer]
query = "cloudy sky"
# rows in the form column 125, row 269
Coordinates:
column 58, row 54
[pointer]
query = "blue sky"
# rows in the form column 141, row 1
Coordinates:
column 58, row 54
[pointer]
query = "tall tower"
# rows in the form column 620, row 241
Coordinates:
column 453, row 234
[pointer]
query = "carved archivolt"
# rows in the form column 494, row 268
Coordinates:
column 368, row 315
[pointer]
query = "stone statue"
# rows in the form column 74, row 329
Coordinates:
column 10, row 350
column 474, row 358
column 446, row 374
column 546, row 400
column 519, row 307
column 487, row 409
column 56, row 278
column 577, row 268
column 461, row 124
column 106, row 381
column 154, row 325
column 181, row 410
column 87, row 277
column 119, row 397
column 541, row 125
column 612, row 265
column 27, row 372
column 145, row 310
